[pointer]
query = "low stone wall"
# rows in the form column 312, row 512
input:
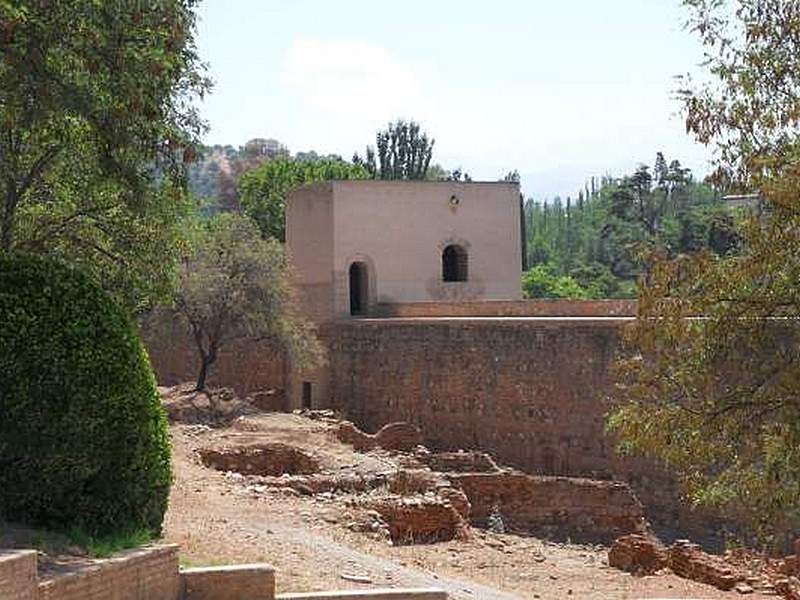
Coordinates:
column 395, row 594
column 149, row 573
column 152, row 573
column 583, row 509
column 236, row 582
column 556, row 307
column 18, row 575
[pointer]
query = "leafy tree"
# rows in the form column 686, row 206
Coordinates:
column 97, row 127
column 608, row 230
column 84, row 441
column 538, row 282
column 403, row 152
column 263, row 190
column 235, row 284
column 437, row 172
column 716, row 398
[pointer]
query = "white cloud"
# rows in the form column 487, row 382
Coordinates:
column 341, row 91
column 351, row 80
column 352, row 88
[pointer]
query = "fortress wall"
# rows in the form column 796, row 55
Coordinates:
column 247, row 366
column 530, row 391
column 556, row 307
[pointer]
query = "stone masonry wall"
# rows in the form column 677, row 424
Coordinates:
column 583, row 509
column 532, row 392
column 247, row 366
column 528, row 391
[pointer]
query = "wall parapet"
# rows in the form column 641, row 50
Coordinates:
column 556, row 307
column 393, row 594
column 232, row 582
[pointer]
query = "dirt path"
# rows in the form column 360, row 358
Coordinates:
column 218, row 519
column 408, row 577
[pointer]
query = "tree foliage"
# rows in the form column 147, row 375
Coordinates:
column 599, row 239
column 711, row 380
column 235, row 284
column 83, row 436
column 263, row 190
column 96, row 128
column 403, row 152
column 539, row 282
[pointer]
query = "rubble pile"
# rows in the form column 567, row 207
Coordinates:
column 738, row 570
column 266, row 458
column 420, row 519
column 689, row 561
column 416, row 481
column 638, row 554
column 399, row 437
column 310, row 485
column 459, row 462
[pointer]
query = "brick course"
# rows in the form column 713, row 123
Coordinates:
column 236, row 582
column 141, row 574
column 18, row 575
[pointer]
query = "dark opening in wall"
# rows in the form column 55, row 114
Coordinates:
column 306, row 394
column 358, row 288
column 454, row 263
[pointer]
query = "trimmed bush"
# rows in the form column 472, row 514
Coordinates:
column 83, row 437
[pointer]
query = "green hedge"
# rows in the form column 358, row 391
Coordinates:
column 83, row 437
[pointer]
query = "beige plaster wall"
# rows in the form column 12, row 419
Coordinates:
column 309, row 242
column 399, row 228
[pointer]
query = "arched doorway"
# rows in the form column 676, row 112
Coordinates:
column 359, row 285
column 454, row 263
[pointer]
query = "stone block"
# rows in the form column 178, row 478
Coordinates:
column 18, row 575
column 637, row 554
column 235, row 582
column 394, row 594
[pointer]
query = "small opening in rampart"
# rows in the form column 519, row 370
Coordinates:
column 455, row 264
column 358, row 288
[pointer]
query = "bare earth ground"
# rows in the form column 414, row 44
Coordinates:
column 220, row 518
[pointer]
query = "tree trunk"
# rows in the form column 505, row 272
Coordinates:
column 201, row 378
column 7, row 221
column 206, row 360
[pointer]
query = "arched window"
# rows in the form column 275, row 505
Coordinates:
column 454, row 263
column 359, row 286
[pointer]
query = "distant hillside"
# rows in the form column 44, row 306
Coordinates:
column 214, row 177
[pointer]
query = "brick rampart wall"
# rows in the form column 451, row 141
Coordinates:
column 246, row 366
column 530, row 391
column 509, row 308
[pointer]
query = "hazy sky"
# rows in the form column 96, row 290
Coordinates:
column 558, row 89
